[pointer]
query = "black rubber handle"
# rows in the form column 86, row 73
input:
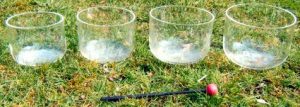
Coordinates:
column 150, row 95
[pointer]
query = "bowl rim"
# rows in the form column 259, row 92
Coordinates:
column 261, row 4
column 61, row 20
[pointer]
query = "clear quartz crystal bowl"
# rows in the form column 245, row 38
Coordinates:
column 36, row 38
column 106, row 34
column 258, row 36
column 180, row 34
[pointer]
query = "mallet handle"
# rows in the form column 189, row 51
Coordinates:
column 150, row 95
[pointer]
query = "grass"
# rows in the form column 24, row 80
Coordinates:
column 74, row 81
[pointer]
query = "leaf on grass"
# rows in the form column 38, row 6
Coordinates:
column 115, row 76
column 111, row 78
column 202, row 78
column 108, row 68
column 262, row 101
column 261, row 85
column 150, row 74
column 82, row 97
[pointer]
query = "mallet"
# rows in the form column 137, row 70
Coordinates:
column 211, row 89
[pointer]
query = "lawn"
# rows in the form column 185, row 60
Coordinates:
column 75, row 81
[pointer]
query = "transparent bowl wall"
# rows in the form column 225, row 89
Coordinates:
column 179, row 34
column 106, row 34
column 36, row 38
column 258, row 36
